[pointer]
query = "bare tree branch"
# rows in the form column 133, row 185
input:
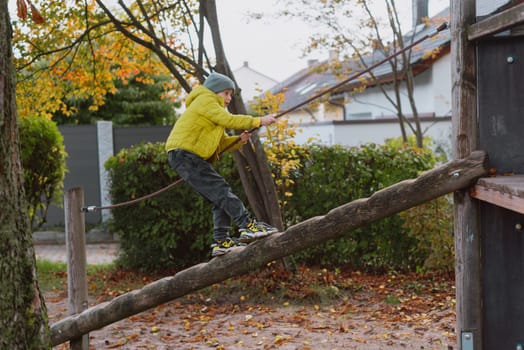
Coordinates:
column 165, row 60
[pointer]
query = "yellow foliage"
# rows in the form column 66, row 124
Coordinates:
column 84, row 71
column 431, row 54
column 279, row 144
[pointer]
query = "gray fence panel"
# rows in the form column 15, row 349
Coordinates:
column 125, row 137
column 82, row 169
column 82, row 161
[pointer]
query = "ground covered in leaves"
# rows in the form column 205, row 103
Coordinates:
column 276, row 309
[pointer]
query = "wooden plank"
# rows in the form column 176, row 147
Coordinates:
column 502, row 277
column 500, row 103
column 512, row 185
column 503, row 191
column 497, row 23
column 498, row 198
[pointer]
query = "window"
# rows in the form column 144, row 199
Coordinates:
column 305, row 88
column 364, row 115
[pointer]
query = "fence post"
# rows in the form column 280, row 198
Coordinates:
column 76, row 258
column 104, row 135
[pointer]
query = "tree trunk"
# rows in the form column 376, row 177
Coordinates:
column 252, row 162
column 23, row 318
column 447, row 178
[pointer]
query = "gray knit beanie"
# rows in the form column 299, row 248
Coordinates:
column 217, row 82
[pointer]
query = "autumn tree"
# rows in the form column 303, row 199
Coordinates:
column 356, row 31
column 23, row 317
column 140, row 100
column 71, row 63
column 172, row 34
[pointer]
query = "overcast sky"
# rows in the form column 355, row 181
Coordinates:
column 271, row 47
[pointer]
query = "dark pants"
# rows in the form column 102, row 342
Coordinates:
column 201, row 175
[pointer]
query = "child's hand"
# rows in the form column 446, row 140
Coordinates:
column 267, row 120
column 244, row 136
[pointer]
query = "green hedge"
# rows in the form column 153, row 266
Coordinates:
column 175, row 228
column 44, row 162
column 335, row 175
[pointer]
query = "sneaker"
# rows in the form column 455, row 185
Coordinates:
column 255, row 230
column 221, row 248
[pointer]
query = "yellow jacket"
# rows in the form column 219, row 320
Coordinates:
column 201, row 128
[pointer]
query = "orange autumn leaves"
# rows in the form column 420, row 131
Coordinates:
column 21, row 6
column 274, row 308
column 74, row 56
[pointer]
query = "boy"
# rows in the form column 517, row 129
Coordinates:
column 196, row 141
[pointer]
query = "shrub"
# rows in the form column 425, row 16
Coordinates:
column 431, row 224
column 43, row 159
column 332, row 176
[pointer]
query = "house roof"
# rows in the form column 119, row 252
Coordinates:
column 310, row 81
column 251, row 81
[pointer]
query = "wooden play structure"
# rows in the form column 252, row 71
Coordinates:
column 487, row 110
column 488, row 101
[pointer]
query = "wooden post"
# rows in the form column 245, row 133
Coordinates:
column 76, row 259
column 465, row 140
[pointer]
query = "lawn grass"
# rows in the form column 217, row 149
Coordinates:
column 52, row 275
column 269, row 285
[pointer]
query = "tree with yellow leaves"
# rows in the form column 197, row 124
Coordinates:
column 281, row 150
column 68, row 57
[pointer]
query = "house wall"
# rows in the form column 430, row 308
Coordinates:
column 320, row 113
column 432, row 95
column 355, row 133
column 485, row 7
column 301, row 116
column 441, row 83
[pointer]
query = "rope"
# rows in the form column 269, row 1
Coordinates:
column 442, row 27
column 136, row 200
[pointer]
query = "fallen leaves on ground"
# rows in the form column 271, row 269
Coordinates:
column 277, row 309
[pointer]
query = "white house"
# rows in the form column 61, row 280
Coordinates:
column 252, row 82
column 350, row 118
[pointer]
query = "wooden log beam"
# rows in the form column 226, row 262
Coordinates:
column 497, row 23
column 452, row 176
